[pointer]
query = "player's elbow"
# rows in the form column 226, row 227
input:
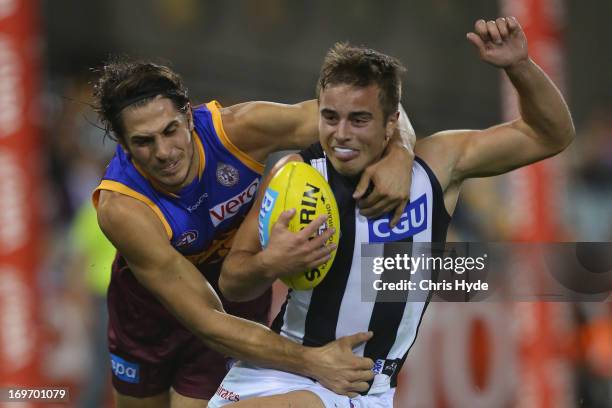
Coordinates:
column 561, row 140
column 231, row 288
column 228, row 290
column 559, row 135
column 552, row 140
column 568, row 136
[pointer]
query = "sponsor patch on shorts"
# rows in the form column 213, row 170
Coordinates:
column 227, row 395
column 124, row 370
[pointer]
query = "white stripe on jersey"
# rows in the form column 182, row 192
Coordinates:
column 351, row 316
column 294, row 319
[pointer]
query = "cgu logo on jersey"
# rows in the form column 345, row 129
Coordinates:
column 124, row 370
column 231, row 207
column 412, row 221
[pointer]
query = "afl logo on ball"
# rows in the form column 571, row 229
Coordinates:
column 227, row 175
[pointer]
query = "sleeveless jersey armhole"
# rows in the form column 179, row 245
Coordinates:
column 115, row 186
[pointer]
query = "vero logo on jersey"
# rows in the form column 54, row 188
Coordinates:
column 231, row 207
column 412, row 221
column 124, row 370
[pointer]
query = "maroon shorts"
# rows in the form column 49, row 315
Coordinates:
column 152, row 351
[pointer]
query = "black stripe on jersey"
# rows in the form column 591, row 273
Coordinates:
column 278, row 322
column 314, row 151
column 439, row 215
column 440, row 222
column 389, row 313
column 324, row 308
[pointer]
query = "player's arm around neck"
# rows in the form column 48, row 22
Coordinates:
column 140, row 237
column 260, row 128
column 391, row 176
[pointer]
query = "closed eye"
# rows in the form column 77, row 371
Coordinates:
column 169, row 131
column 141, row 141
column 329, row 116
column 361, row 119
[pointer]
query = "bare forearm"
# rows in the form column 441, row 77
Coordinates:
column 244, row 277
column 197, row 306
column 249, row 341
column 542, row 105
column 305, row 120
column 404, row 138
column 333, row 365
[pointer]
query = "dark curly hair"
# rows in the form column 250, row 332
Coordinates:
column 124, row 82
column 359, row 66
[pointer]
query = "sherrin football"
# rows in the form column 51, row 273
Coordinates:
column 300, row 186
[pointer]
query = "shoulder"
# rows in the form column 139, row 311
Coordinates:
column 242, row 125
column 118, row 213
column 441, row 151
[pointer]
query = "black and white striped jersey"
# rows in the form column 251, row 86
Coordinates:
column 335, row 307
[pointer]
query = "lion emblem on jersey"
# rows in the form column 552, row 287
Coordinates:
column 227, row 175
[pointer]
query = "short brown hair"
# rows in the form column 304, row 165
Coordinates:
column 125, row 82
column 359, row 66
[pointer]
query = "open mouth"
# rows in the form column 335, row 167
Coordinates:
column 345, row 153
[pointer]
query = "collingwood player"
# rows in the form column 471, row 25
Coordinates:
column 358, row 94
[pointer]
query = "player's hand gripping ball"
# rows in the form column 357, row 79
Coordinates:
column 300, row 186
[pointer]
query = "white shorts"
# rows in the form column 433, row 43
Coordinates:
column 246, row 381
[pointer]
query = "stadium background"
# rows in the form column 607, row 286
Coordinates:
column 476, row 355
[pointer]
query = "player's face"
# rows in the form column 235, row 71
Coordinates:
column 352, row 129
column 158, row 137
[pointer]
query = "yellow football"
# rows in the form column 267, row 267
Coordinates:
column 300, row 186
